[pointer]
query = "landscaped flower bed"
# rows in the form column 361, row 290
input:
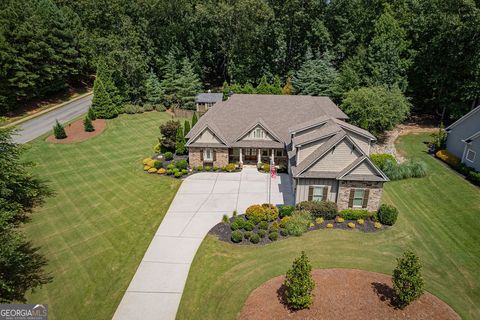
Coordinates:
column 262, row 224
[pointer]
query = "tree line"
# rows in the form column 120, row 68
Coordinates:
column 426, row 49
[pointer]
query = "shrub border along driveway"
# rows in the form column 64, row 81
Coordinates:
column 156, row 289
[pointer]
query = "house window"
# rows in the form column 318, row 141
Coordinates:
column 318, row 193
column 358, row 198
column 265, row 152
column 258, row 133
column 208, row 154
column 279, row 153
column 470, row 155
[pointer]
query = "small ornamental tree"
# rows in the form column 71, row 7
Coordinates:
column 59, row 131
column 168, row 130
column 186, row 127
column 87, row 124
column 194, row 119
column 180, row 142
column 91, row 114
column 299, row 284
column 407, row 280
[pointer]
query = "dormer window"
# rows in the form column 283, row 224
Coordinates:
column 258, row 133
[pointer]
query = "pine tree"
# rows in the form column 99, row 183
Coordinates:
column 59, row 131
column 194, row 119
column 154, row 93
column 315, row 77
column 88, row 125
column 186, row 127
column 91, row 114
column 407, row 279
column 169, row 83
column 299, row 284
column 276, row 87
column 106, row 99
column 180, row 142
column 189, row 86
column 263, row 86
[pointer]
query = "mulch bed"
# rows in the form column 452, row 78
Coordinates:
column 343, row 294
column 224, row 232
column 76, row 133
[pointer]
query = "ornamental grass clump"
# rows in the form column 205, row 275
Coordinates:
column 298, row 223
column 299, row 284
column 407, row 279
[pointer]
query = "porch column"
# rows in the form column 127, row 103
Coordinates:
column 259, row 156
column 273, row 159
column 241, row 156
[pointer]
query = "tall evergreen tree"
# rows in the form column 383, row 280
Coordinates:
column 186, row 127
column 153, row 90
column 180, row 141
column 315, row 77
column 407, row 279
column 188, row 84
column 299, row 283
column 169, row 83
column 106, row 100
column 59, row 131
column 194, row 119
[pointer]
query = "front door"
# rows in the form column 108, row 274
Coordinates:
column 251, row 155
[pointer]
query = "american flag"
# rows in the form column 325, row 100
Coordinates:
column 273, row 170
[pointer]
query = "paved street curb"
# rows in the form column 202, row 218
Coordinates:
column 55, row 107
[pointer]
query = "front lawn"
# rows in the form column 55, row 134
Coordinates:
column 439, row 218
column 96, row 228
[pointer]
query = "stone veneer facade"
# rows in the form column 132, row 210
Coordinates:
column 374, row 197
column 221, row 157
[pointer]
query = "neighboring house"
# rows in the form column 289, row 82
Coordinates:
column 204, row 101
column 326, row 157
column 463, row 138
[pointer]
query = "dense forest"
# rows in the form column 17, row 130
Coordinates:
column 426, row 52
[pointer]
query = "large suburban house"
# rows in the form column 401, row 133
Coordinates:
column 326, row 158
column 463, row 139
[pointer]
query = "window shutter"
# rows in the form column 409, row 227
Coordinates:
column 365, row 198
column 350, row 200
column 214, row 155
column 310, row 193
column 325, row 193
column 201, row 154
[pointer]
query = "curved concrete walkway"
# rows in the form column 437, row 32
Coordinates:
column 156, row 289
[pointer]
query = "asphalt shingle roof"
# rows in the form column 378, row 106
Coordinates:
column 209, row 97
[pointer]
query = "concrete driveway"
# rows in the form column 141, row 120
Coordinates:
column 156, row 289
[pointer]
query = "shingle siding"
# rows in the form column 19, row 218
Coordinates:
column 337, row 158
column 462, row 130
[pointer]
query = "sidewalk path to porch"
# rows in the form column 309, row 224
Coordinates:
column 203, row 198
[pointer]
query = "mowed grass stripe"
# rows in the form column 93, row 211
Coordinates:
column 439, row 219
column 98, row 225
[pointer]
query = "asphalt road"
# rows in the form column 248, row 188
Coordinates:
column 35, row 127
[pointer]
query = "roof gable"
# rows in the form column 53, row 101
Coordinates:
column 475, row 111
column 363, row 166
column 263, row 125
column 210, row 128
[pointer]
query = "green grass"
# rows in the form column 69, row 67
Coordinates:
column 96, row 228
column 439, row 218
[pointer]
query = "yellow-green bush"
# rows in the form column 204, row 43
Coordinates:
column 360, row 221
column 351, row 225
column 151, row 163
column 339, row 219
column 146, row 168
column 329, row 225
column 161, row 171
column 146, row 160
column 152, row 170
column 447, row 157
column 283, row 221
column 377, row 225
column 319, row 220
column 255, row 213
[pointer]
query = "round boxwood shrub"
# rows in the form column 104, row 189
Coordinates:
column 169, row 172
column 274, row 227
column 208, row 168
column 248, row 226
column 168, row 156
column 170, row 167
column 157, row 164
column 184, row 171
column 181, row 164
column 283, row 232
column 285, row 210
column 247, row 234
column 254, row 238
column 271, row 211
column 178, row 174
column 237, row 224
column 262, row 233
column 263, row 225
column 273, row 236
column 237, row 236
column 256, row 213
column 387, row 214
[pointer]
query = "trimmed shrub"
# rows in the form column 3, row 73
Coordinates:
column 157, row 164
column 248, row 226
column 407, row 279
column 168, row 156
column 151, row 163
column 262, row 233
column 146, row 160
column 225, row 219
column 351, row 225
column 377, row 225
column 256, row 213
column 247, row 234
column 230, row 167
column 274, row 226
column 59, row 131
column 339, row 220
column 216, row 168
column 181, row 164
column 325, row 209
column 237, row 236
column 263, row 225
column 380, row 159
column 184, row 171
column 147, row 107
column 161, row 171
column 273, row 236
column 171, row 166
column 283, row 232
column 178, row 174
column 208, row 168
column 329, row 225
column 352, row 214
column 285, row 210
column 156, row 148
column 360, row 221
column 299, row 284
column 298, row 223
column 284, row 221
column 175, row 170
column 146, row 168
column 266, row 168
column 237, row 224
column 271, row 211
column 448, row 157
column 88, row 125
column 254, row 238
column 152, row 170
column 235, row 213
column 319, row 220
column 169, row 172
column 387, row 214
column 199, row 168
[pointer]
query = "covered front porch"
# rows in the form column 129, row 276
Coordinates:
column 257, row 155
